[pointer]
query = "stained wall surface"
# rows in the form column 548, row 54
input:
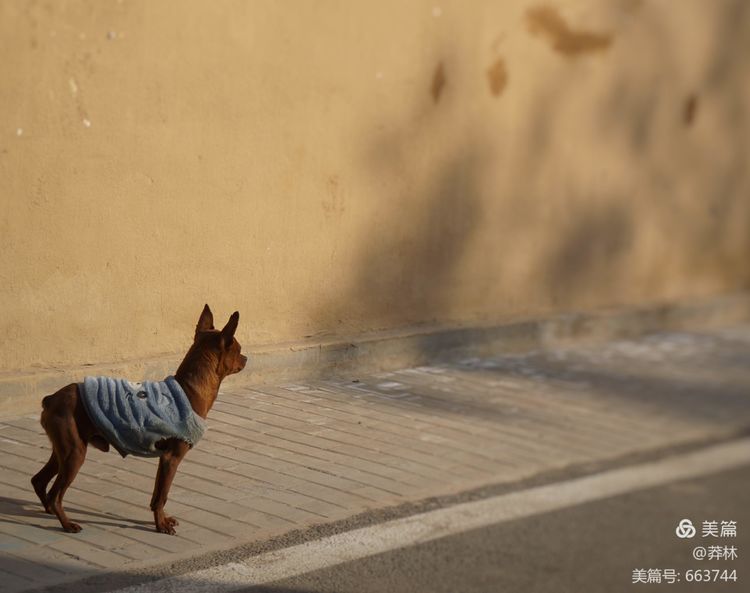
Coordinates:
column 335, row 167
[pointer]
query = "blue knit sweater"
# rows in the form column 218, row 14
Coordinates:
column 133, row 417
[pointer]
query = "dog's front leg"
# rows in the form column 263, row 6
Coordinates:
column 174, row 451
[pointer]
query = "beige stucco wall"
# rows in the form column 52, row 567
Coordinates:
column 342, row 166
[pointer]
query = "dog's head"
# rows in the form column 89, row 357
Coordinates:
column 220, row 343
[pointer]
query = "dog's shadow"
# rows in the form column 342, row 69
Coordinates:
column 14, row 510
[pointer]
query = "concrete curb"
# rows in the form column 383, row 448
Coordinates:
column 21, row 391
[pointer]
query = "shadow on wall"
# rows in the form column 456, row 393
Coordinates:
column 418, row 265
column 590, row 251
column 726, row 80
column 701, row 213
column 411, row 252
column 700, row 201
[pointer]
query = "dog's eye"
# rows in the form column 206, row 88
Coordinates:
column 141, row 394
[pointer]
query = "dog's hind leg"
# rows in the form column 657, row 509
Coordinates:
column 70, row 451
column 49, row 470
column 42, row 478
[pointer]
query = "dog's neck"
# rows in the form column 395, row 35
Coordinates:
column 200, row 381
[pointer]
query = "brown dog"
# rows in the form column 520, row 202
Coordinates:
column 213, row 355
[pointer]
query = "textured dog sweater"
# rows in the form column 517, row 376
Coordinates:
column 133, row 417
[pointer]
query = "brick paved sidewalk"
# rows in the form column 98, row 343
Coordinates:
column 289, row 456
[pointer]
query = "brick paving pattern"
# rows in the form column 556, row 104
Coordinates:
column 277, row 458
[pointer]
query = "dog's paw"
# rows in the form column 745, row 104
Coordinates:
column 171, row 521
column 71, row 527
column 166, row 528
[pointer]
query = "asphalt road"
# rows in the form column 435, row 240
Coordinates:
column 590, row 547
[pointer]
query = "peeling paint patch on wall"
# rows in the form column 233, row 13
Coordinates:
column 333, row 204
column 438, row 82
column 546, row 21
column 690, row 109
column 497, row 77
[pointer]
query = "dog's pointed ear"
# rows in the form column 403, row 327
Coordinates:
column 205, row 321
column 227, row 334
